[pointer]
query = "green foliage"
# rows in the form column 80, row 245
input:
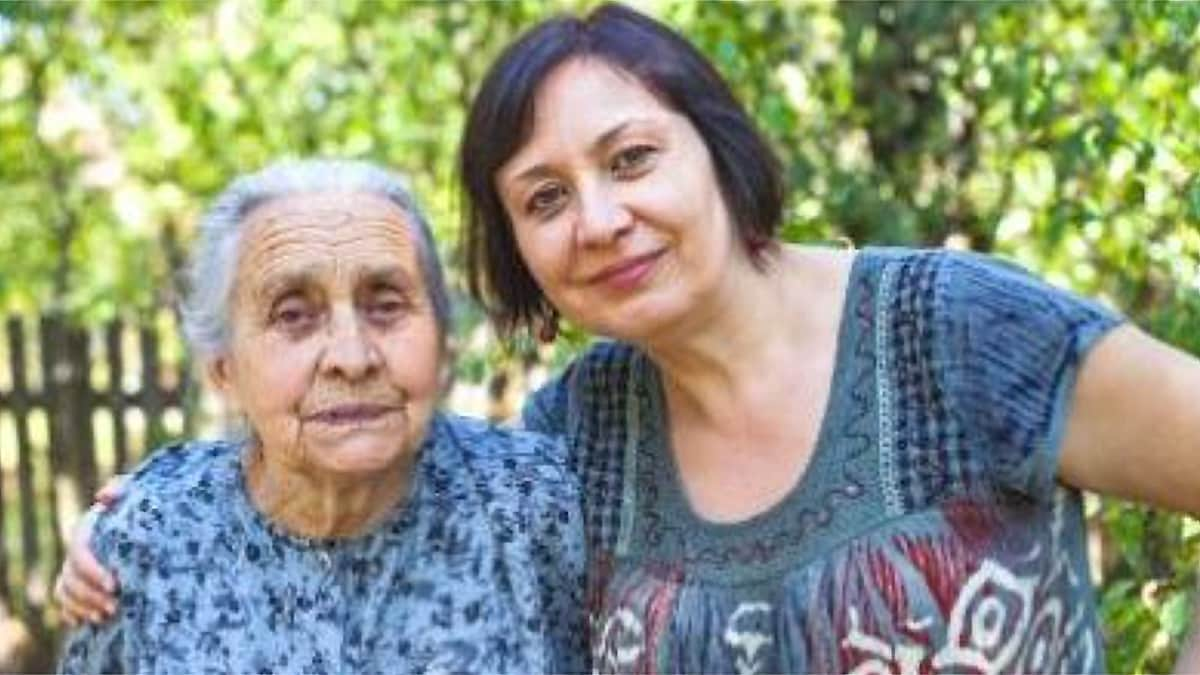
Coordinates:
column 1060, row 134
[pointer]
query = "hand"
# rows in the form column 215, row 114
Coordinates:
column 84, row 590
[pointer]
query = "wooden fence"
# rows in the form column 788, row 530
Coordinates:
column 75, row 406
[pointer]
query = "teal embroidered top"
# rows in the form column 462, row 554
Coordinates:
column 928, row 533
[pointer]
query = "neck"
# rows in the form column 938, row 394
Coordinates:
column 750, row 337
column 319, row 506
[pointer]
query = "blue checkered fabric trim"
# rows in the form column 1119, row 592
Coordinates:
column 589, row 404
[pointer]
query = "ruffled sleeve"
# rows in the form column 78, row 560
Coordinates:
column 1017, row 345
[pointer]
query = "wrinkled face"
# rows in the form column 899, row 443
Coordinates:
column 615, row 204
column 335, row 351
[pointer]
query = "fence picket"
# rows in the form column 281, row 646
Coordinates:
column 57, row 475
column 116, row 397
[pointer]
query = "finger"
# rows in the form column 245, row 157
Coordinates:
column 69, row 619
column 81, row 561
column 84, row 601
column 111, row 492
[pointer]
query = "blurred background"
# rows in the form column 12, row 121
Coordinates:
column 1063, row 135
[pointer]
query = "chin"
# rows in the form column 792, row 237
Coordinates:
column 359, row 456
column 638, row 322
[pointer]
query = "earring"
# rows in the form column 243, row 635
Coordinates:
column 548, row 330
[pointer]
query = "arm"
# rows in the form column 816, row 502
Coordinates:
column 1134, row 427
column 112, row 646
column 562, row 562
column 96, row 649
column 1134, row 432
column 85, row 590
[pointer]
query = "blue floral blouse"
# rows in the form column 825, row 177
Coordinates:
column 479, row 571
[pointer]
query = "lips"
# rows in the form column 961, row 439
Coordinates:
column 627, row 273
column 350, row 414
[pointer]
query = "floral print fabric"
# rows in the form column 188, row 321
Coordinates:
column 480, row 571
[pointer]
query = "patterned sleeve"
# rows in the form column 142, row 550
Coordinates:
column 95, row 649
column 111, row 647
column 1017, row 344
column 559, row 552
column 125, row 540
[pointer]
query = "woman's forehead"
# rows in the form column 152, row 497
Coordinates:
column 579, row 104
column 342, row 233
column 333, row 207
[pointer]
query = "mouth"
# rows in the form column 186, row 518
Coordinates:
column 351, row 414
column 627, row 273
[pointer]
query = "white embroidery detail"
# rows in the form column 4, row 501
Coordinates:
column 905, row 659
column 989, row 619
column 622, row 642
column 747, row 642
column 993, row 625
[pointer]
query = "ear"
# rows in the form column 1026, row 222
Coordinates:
column 219, row 373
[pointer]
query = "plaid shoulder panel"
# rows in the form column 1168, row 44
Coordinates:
column 924, row 452
column 608, row 394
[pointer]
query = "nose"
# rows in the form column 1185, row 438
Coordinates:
column 603, row 218
column 351, row 352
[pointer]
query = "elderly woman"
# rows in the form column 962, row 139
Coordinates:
column 355, row 529
column 794, row 459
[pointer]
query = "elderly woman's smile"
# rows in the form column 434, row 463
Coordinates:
column 335, row 348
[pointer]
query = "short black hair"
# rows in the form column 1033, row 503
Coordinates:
column 501, row 117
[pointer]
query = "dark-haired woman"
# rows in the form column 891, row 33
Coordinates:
column 796, row 459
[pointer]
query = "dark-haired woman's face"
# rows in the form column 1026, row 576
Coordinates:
column 615, row 204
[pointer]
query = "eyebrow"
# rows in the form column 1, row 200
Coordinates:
column 299, row 277
column 397, row 274
column 602, row 141
column 290, row 279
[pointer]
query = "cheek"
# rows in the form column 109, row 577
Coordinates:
column 414, row 361
column 277, row 375
column 545, row 252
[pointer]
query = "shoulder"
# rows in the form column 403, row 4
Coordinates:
column 605, row 356
column 945, row 265
column 602, row 372
column 187, row 461
column 952, row 291
column 602, row 363
column 511, row 469
column 178, row 488
column 494, row 453
column 594, row 383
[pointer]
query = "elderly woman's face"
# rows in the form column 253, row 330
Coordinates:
column 335, row 351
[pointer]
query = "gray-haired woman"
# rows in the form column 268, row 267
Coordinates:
column 356, row 529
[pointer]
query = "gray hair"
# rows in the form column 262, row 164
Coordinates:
column 210, row 277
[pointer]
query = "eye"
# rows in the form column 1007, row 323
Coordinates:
column 294, row 314
column 385, row 307
column 633, row 161
column 546, row 199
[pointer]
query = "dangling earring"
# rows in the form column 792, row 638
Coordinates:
column 548, row 331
